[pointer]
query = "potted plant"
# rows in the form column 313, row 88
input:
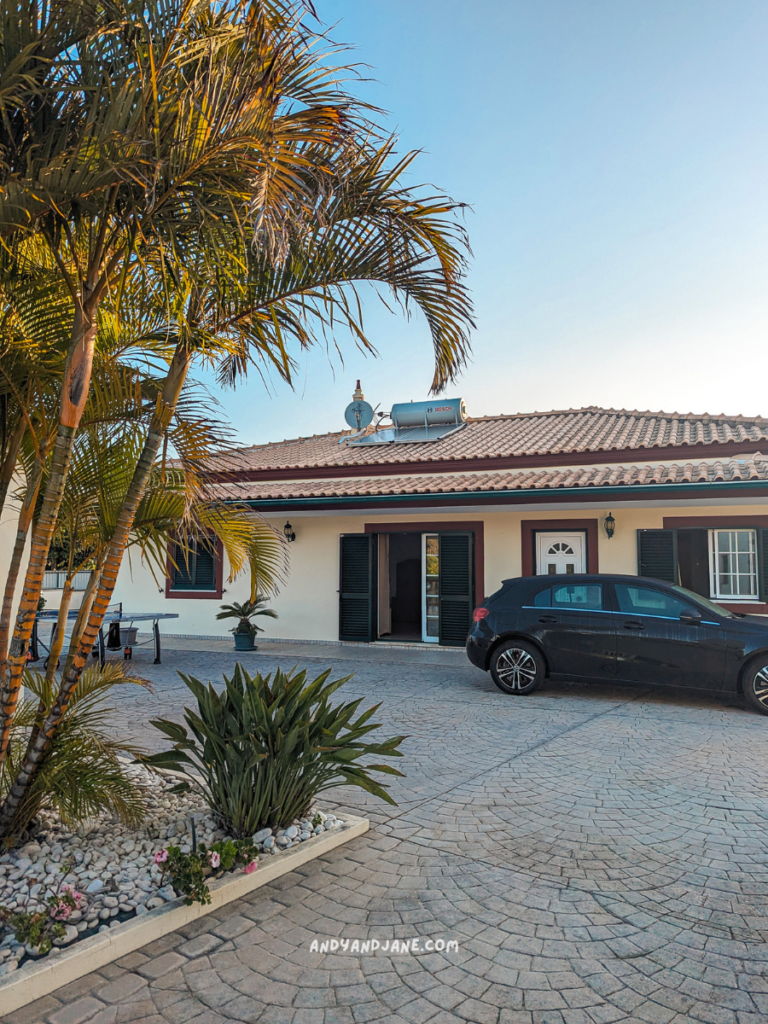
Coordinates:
column 245, row 631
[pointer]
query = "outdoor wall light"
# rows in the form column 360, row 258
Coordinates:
column 610, row 525
column 290, row 536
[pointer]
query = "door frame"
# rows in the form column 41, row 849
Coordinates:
column 582, row 546
column 446, row 526
column 530, row 527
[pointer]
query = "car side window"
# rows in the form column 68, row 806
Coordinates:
column 578, row 596
column 543, row 599
column 647, row 601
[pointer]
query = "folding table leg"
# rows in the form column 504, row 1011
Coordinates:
column 33, row 643
column 156, row 631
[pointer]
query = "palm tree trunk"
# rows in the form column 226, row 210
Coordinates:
column 75, row 386
column 25, row 521
column 9, row 463
column 89, row 595
column 161, row 420
column 61, row 624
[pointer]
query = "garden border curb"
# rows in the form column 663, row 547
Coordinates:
column 42, row 977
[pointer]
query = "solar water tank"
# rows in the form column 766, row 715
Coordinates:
column 436, row 413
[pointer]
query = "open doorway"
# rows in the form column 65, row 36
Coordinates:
column 407, row 585
column 400, row 586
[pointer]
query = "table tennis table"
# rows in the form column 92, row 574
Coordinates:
column 114, row 615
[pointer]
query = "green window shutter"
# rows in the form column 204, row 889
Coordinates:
column 195, row 570
column 356, row 588
column 184, row 570
column 762, row 563
column 205, row 569
column 457, row 589
column 657, row 554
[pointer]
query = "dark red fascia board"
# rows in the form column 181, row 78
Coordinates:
column 666, row 453
column 409, row 502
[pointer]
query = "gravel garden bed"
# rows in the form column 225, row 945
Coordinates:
column 114, row 867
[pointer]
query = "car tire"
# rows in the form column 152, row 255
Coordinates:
column 755, row 685
column 517, row 667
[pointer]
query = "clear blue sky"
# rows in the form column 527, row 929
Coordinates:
column 615, row 156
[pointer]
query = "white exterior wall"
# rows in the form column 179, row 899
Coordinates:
column 308, row 606
column 9, row 520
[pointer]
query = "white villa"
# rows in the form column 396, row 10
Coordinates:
column 400, row 530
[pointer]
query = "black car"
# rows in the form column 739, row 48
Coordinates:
column 627, row 629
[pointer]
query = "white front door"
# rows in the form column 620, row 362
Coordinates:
column 560, row 553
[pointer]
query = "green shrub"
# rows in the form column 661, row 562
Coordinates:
column 82, row 772
column 262, row 749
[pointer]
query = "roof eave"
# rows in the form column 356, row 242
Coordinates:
column 619, row 492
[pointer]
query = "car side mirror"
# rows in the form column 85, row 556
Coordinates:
column 690, row 619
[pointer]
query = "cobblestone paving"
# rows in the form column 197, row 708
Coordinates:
column 599, row 853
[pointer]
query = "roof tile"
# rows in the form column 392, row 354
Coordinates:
column 512, row 480
column 549, row 433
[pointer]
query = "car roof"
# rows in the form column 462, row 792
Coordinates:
column 589, row 577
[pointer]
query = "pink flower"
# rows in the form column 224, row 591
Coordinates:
column 76, row 896
column 60, row 912
column 250, row 868
column 161, row 857
column 214, row 858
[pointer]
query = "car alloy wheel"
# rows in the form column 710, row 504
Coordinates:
column 760, row 686
column 756, row 686
column 517, row 668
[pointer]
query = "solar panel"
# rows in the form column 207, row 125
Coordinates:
column 409, row 435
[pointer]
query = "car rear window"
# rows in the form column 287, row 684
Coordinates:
column 588, row 596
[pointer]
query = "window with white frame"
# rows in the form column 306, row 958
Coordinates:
column 733, row 565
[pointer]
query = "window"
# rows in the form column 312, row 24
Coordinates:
column 195, row 569
column 578, row 597
column 717, row 609
column 543, row 599
column 646, row 601
column 733, row 564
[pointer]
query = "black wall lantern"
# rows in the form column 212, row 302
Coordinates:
column 290, row 536
column 610, row 525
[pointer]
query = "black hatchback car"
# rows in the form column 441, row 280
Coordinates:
column 626, row 629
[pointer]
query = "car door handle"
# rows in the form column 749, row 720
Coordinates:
column 634, row 624
column 548, row 618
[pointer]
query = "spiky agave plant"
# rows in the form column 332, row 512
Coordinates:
column 260, row 751
column 84, row 771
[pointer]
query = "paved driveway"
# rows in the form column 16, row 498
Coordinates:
column 599, row 854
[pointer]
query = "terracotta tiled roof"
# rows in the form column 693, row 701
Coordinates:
column 547, row 433
column 519, row 480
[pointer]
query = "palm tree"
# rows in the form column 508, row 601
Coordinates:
column 102, row 170
column 198, row 105
column 273, row 260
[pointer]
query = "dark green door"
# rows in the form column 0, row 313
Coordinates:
column 457, row 587
column 357, row 587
